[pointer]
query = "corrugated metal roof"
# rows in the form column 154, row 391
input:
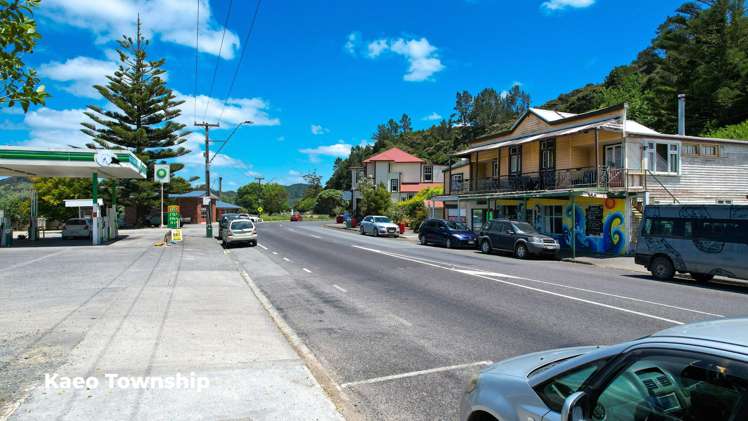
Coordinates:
column 225, row 205
column 551, row 115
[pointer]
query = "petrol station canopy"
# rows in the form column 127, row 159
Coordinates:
column 79, row 163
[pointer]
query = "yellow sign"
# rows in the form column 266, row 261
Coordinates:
column 173, row 208
column 176, row 235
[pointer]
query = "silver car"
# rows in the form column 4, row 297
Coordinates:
column 693, row 372
column 239, row 231
column 377, row 225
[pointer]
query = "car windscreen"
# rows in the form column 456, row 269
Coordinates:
column 382, row 219
column 524, row 227
column 242, row 225
column 458, row 226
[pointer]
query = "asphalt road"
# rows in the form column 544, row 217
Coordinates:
column 401, row 327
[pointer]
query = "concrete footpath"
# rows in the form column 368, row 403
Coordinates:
column 177, row 333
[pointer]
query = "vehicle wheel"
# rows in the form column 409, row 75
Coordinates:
column 224, row 244
column 702, row 277
column 253, row 243
column 448, row 243
column 361, row 231
column 485, row 247
column 521, row 251
column 662, row 268
column 421, row 240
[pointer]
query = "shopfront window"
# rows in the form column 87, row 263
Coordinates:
column 553, row 222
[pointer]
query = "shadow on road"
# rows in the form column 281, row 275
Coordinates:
column 729, row 285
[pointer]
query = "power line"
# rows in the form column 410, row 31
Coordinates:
column 218, row 58
column 197, row 54
column 241, row 58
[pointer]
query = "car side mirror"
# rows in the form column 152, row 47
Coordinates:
column 572, row 409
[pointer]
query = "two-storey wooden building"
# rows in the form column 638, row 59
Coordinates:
column 584, row 178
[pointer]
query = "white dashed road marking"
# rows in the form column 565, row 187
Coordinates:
column 338, row 288
column 262, row 247
column 414, row 373
column 275, row 252
column 287, row 259
column 307, row 270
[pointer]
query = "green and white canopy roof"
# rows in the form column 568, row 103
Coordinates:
column 48, row 162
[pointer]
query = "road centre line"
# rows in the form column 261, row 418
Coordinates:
column 287, row 259
column 275, row 252
column 543, row 291
column 592, row 291
column 336, row 286
column 414, row 373
column 262, row 247
column 306, row 270
column 401, row 320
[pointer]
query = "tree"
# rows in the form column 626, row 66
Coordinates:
column 141, row 119
column 329, row 202
column 405, row 124
column 52, row 192
column 735, row 131
column 250, row 196
column 306, row 204
column 375, row 200
column 18, row 36
column 314, row 183
column 464, row 108
column 275, row 198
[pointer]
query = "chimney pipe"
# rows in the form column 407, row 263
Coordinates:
column 682, row 114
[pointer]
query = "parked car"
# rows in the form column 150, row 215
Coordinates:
column 77, row 228
column 239, row 230
column 516, row 237
column 223, row 223
column 153, row 220
column 253, row 218
column 447, row 233
column 296, row 217
column 377, row 225
column 703, row 240
column 693, row 372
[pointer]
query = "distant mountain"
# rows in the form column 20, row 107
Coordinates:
column 296, row 192
column 17, row 182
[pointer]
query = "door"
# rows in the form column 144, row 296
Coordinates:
column 548, row 164
column 613, row 165
column 505, row 236
column 478, row 219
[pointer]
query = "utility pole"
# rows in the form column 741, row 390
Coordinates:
column 220, row 186
column 209, row 217
column 259, row 180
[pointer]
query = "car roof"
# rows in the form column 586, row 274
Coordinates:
column 241, row 220
column 733, row 331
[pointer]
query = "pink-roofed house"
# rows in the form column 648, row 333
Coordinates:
column 403, row 174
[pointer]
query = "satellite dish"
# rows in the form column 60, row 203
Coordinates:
column 104, row 158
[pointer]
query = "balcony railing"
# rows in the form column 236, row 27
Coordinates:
column 603, row 178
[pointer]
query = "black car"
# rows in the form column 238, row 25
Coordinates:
column 516, row 237
column 447, row 233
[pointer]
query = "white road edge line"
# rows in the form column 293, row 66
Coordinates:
column 275, row 252
column 316, row 236
column 306, row 270
column 262, row 247
column 287, row 259
column 401, row 320
column 336, row 286
column 414, row 373
column 543, row 291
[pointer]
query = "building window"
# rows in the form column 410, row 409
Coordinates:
column 663, row 157
column 394, row 185
column 548, row 154
column 553, row 221
column 709, row 150
column 515, row 160
column 690, row 149
column 428, row 173
column 495, row 168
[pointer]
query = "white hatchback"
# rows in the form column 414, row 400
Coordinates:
column 77, row 228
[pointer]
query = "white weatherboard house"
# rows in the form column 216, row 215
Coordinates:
column 401, row 173
column 584, row 178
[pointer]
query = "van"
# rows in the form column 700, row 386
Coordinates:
column 702, row 240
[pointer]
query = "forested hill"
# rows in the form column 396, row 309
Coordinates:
column 701, row 51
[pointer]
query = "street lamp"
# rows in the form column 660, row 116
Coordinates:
column 229, row 138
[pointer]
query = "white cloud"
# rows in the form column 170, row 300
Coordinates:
column 376, row 47
column 433, row 116
column 236, row 111
column 252, row 173
column 171, row 20
column 552, row 5
column 56, row 128
column 352, row 43
column 293, row 177
column 339, row 149
column 196, row 158
column 318, row 130
column 81, row 73
column 422, row 57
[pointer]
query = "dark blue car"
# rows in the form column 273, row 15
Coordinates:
column 450, row 234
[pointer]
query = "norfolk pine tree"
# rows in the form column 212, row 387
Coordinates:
column 141, row 119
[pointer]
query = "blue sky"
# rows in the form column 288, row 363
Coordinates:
column 318, row 76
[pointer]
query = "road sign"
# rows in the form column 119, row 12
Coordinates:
column 259, row 210
column 161, row 173
column 176, row 235
column 206, row 201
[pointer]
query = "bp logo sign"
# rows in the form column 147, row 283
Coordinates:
column 161, row 173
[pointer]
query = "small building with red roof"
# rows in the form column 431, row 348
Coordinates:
column 402, row 173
